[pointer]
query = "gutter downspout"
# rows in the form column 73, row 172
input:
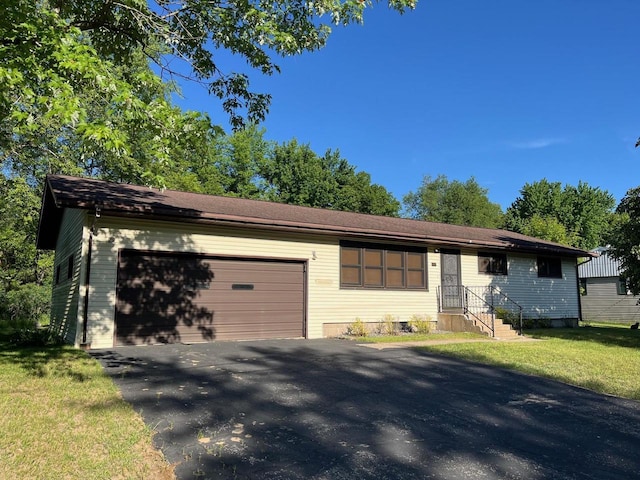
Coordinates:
column 579, row 294
column 87, row 283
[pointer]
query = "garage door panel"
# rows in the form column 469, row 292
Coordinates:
column 253, row 265
column 265, row 318
column 249, row 335
column 242, row 307
column 152, row 329
column 253, row 334
column 256, row 301
column 178, row 298
column 282, row 326
column 217, row 286
column 274, row 282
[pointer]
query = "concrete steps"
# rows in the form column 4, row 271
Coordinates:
column 455, row 322
column 502, row 330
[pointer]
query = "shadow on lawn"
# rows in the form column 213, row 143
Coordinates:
column 613, row 336
column 58, row 361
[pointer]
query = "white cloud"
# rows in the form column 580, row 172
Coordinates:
column 537, row 143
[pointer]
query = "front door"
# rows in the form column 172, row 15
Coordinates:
column 450, row 279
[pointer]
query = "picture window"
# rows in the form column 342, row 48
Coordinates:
column 383, row 267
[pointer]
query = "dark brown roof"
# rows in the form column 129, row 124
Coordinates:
column 130, row 200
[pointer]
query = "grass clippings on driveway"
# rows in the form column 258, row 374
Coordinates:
column 62, row 417
column 605, row 359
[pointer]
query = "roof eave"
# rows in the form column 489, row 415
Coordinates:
column 310, row 228
column 50, row 219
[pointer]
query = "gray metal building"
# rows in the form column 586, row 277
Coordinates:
column 604, row 295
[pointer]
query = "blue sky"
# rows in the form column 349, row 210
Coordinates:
column 506, row 91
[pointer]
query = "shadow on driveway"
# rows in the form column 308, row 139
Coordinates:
column 329, row 409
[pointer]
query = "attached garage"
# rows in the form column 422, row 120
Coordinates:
column 165, row 297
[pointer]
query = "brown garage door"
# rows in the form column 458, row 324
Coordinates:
column 168, row 298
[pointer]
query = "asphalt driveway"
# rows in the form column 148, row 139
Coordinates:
column 329, row 409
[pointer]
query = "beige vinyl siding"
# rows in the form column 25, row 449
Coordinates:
column 539, row 297
column 602, row 302
column 65, row 300
column 326, row 302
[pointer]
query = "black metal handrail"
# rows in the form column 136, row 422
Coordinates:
column 472, row 306
column 475, row 301
column 495, row 300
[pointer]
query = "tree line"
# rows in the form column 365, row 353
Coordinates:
column 579, row 216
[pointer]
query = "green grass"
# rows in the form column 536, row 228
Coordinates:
column 62, row 417
column 606, row 324
column 418, row 337
column 604, row 358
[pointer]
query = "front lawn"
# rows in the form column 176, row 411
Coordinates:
column 603, row 358
column 62, row 417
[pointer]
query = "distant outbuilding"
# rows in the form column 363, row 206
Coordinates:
column 604, row 295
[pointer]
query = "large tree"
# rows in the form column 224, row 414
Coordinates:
column 66, row 109
column 25, row 273
column 223, row 165
column 574, row 215
column 455, row 202
column 80, row 70
column 624, row 238
column 75, row 41
column 293, row 173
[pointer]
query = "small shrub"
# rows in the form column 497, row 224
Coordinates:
column 357, row 329
column 35, row 337
column 17, row 324
column 389, row 325
column 419, row 323
column 536, row 323
column 507, row 316
column 28, row 304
